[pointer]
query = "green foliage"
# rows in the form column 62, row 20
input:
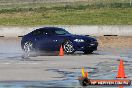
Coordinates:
column 67, row 14
column 66, row 7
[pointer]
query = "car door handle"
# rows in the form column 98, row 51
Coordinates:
column 55, row 40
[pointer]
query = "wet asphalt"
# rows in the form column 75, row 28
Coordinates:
column 10, row 50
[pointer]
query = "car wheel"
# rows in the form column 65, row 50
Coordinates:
column 68, row 47
column 88, row 51
column 28, row 46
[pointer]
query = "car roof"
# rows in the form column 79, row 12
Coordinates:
column 46, row 28
column 49, row 28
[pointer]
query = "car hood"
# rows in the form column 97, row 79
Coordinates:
column 87, row 38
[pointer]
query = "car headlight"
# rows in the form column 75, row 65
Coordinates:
column 79, row 40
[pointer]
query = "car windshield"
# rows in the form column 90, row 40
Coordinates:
column 61, row 32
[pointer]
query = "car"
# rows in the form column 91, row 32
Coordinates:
column 52, row 38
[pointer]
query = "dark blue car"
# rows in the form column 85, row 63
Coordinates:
column 51, row 38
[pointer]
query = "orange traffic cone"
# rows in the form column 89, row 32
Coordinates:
column 61, row 53
column 86, row 74
column 121, row 72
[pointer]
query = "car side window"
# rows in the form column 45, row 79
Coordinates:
column 37, row 32
column 48, row 31
column 41, row 32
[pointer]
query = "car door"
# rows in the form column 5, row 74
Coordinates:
column 41, row 39
column 53, row 41
column 46, row 40
column 56, row 42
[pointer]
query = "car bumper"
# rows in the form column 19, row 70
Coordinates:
column 86, row 46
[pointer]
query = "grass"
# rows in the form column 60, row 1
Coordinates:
column 34, row 14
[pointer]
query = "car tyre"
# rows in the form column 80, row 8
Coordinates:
column 28, row 47
column 68, row 47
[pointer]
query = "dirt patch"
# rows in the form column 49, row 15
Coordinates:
column 115, row 41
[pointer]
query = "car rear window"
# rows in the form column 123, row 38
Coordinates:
column 61, row 32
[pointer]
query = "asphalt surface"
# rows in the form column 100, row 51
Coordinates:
column 45, row 70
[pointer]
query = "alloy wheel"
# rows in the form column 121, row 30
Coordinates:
column 28, row 47
column 68, row 47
